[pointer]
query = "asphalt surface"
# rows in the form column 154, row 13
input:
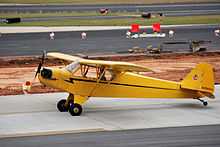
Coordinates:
column 165, row 13
column 165, row 9
column 207, row 136
column 113, row 8
column 108, row 41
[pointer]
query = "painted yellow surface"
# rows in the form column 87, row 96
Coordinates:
column 131, row 85
column 123, row 83
column 85, row 78
column 201, row 79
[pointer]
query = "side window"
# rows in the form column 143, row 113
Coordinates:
column 86, row 72
column 108, row 75
column 92, row 72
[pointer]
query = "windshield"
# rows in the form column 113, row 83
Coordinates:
column 73, row 66
column 90, row 71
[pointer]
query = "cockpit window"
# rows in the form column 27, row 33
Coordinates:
column 73, row 66
column 98, row 73
column 108, row 75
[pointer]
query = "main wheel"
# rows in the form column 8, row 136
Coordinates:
column 61, row 106
column 75, row 109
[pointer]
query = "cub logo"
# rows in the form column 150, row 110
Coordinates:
column 195, row 77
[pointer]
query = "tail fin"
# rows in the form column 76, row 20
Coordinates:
column 201, row 78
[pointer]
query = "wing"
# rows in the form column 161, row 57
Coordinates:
column 63, row 56
column 114, row 65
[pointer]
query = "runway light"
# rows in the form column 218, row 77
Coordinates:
column 171, row 33
column 83, row 35
column 217, row 32
column 26, row 86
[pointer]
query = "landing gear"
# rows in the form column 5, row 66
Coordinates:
column 72, row 104
column 205, row 103
column 61, row 106
column 75, row 109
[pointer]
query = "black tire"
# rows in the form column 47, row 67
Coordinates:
column 205, row 103
column 61, row 106
column 75, row 109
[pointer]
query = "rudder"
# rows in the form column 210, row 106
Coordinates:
column 201, row 78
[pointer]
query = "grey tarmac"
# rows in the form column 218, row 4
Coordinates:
column 103, row 41
column 113, row 8
column 207, row 136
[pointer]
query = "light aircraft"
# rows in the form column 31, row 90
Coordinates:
column 85, row 78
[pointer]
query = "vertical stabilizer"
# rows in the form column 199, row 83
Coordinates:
column 201, row 78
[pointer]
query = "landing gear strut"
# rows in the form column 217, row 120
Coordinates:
column 205, row 103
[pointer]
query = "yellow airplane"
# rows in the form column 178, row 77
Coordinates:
column 85, row 78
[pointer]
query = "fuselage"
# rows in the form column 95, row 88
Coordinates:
column 123, row 85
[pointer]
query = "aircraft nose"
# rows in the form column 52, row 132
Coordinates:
column 46, row 73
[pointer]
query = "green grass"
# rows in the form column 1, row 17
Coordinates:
column 209, row 19
column 103, row 1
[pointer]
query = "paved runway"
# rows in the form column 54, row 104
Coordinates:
column 165, row 13
column 107, row 41
column 169, row 8
column 27, row 115
column 166, row 9
column 207, row 136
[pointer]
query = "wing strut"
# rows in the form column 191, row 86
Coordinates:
column 100, row 73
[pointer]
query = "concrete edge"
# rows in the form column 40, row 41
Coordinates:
column 38, row 29
column 47, row 133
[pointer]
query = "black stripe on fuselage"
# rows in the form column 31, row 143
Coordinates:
column 120, row 84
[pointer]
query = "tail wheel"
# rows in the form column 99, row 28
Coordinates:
column 205, row 103
column 61, row 106
column 75, row 109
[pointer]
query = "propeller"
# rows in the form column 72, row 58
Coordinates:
column 41, row 63
column 28, row 84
